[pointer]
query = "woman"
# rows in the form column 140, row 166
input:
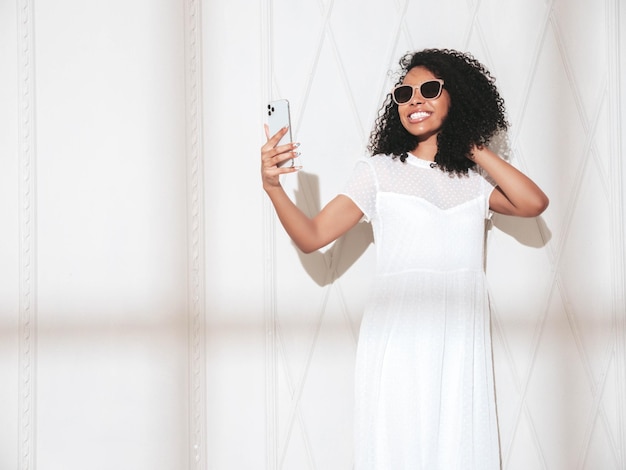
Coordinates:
column 424, row 377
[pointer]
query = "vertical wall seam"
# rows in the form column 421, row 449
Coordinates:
column 195, row 237
column 616, row 18
column 269, row 269
column 27, row 227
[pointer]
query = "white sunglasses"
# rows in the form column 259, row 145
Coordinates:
column 430, row 90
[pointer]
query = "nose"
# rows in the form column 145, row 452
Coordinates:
column 416, row 98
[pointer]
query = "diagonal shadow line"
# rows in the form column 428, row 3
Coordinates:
column 296, row 390
column 326, row 12
column 581, row 171
column 473, row 24
column 391, row 59
column 593, row 149
column 571, row 76
column 328, row 33
column 587, row 127
column 332, row 258
column 591, row 146
column 345, row 310
column 346, row 83
column 590, row 128
column 598, row 410
column 522, row 384
column 331, row 274
column 590, row 134
column 522, row 390
column 294, row 415
column 541, row 39
column 571, row 319
column 400, row 29
column 596, row 389
column 310, row 205
column 344, row 74
column 325, row 32
column 498, row 331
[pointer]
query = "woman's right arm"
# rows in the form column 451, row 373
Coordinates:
column 309, row 234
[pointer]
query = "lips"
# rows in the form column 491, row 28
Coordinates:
column 418, row 116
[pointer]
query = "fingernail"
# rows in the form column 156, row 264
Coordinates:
column 296, row 145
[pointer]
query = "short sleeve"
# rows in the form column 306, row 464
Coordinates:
column 361, row 188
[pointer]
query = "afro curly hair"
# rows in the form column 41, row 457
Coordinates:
column 476, row 111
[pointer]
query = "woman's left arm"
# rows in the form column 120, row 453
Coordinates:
column 515, row 194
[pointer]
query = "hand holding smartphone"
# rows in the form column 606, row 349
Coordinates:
column 278, row 116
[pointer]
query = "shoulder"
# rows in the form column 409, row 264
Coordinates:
column 380, row 162
column 372, row 171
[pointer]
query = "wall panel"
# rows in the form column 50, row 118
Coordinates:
column 96, row 356
column 9, row 234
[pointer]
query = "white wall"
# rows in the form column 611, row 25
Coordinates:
column 154, row 315
column 94, row 241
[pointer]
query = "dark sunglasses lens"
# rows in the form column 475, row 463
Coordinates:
column 430, row 90
column 403, row 94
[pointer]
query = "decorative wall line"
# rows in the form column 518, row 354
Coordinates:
column 616, row 17
column 269, row 284
column 196, row 238
column 27, row 227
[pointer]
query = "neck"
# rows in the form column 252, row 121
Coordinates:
column 426, row 149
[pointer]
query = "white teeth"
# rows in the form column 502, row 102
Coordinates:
column 419, row 115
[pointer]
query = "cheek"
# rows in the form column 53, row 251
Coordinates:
column 444, row 115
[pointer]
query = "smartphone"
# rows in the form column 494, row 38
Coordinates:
column 278, row 116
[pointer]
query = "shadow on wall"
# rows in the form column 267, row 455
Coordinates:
column 325, row 267
column 532, row 232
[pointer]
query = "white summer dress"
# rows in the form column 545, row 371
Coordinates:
column 424, row 377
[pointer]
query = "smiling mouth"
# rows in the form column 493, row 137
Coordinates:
column 419, row 115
